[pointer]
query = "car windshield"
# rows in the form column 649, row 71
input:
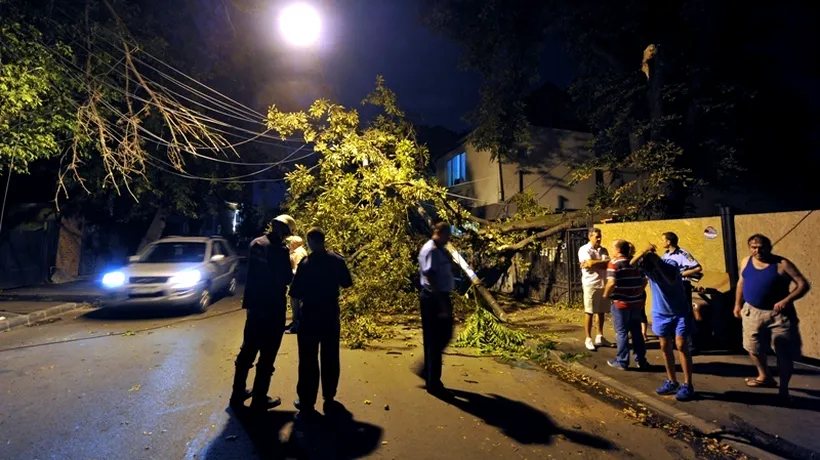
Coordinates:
column 167, row 253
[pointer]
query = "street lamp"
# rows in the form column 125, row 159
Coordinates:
column 300, row 25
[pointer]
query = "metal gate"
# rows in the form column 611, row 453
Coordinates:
column 554, row 274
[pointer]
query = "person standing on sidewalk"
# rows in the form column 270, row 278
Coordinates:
column 625, row 286
column 317, row 283
column 690, row 270
column 671, row 320
column 297, row 253
column 437, row 283
column 269, row 275
column 593, row 259
column 764, row 301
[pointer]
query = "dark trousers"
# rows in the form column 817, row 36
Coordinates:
column 262, row 336
column 626, row 321
column 317, row 344
column 437, row 331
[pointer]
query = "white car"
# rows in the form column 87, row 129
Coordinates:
column 177, row 271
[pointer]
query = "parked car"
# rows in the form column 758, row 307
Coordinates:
column 176, row 271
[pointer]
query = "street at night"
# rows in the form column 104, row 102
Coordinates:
column 137, row 385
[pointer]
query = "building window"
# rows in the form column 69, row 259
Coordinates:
column 562, row 202
column 457, row 169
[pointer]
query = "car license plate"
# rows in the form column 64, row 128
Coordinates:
column 144, row 290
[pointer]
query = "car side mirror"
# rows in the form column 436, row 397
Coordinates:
column 217, row 257
column 134, row 259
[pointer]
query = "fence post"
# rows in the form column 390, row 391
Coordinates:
column 727, row 224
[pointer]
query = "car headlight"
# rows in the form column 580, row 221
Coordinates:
column 186, row 279
column 113, row 279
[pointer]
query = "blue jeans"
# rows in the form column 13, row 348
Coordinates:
column 626, row 321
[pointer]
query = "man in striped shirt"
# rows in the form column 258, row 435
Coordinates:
column 625, row 287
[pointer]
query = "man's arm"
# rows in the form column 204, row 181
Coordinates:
column 739, row 292
column 345, row 280
column 666, row 271
column 281, row 266
column 692, row 271
column 610, row 287
column 594, row 263
column 799, row 291
column 297, row 288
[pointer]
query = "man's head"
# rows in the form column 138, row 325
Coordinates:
column 669, row 240
column 283, row 226
column 294, row 242
column 316, row 239
column 595, row 237
column 441, row 233
column 760, row 246
column 620, row 248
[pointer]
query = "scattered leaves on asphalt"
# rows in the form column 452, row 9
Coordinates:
column 135, row 388
column 368, row 402
column 384, row 443
column 387, row 407
column 471, row 381
column 129, row 333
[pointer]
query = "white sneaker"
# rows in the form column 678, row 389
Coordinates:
column 600, row 341
column 590, row 345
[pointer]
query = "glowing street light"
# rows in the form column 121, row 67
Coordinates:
column 299, row 23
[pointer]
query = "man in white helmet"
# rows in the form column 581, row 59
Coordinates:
column 269, row 274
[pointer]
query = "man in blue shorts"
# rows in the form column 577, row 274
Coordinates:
column 672, row 319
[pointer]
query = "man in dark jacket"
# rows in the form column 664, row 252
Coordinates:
column 318, row 280
column 269, row 274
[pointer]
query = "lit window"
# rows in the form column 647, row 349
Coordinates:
column 457, row 169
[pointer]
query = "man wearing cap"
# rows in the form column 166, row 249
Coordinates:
column 269, row 274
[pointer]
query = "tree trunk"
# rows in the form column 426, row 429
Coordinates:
column 155, row 230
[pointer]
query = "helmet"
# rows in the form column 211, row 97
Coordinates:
column 287, row 220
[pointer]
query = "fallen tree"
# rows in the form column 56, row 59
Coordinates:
column 371, row 194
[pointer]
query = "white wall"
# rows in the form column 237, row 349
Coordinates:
column 546, row 171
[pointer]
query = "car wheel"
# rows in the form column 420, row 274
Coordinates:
column 231, row 287
column 204, row 301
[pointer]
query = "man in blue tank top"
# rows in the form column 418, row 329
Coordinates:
column 764, row 301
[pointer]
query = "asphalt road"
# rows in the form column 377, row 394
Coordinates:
column 121, row 384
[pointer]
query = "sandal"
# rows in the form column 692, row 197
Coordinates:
column 755, row 383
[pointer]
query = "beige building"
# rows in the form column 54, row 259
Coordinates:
column 485, row 186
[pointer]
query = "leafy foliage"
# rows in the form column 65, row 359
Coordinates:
column 34, row 108
column 658, row 140
column 482, row 330
column 364, row 192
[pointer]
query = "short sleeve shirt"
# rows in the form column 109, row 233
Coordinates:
column 685, row 261
column 629, row 284
column 593, row 277
column 437, row 263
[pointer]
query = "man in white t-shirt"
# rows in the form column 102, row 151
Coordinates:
column 593, row 259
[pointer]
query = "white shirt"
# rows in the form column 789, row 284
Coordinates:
column 593, row 277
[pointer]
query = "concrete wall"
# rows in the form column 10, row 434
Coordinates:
column 546, row 171
column 692, row 236
column 794, row 235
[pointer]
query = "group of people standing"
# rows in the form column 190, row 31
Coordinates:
column 278, row 269
column 617, row 284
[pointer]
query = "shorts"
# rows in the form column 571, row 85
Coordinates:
column 594, row 301
column 766, row 328
column 673, row 326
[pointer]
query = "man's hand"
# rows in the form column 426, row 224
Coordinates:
column 650, row 248
column 738, row 309
column 779, row 306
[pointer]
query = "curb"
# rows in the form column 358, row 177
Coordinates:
column 37, row 316
column 70, row 298
column 662, row 408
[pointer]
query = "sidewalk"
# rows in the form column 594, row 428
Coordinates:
column 719, row 379
column 15, row 314
column 76, row 291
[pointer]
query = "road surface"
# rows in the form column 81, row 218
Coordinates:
column 119, row 384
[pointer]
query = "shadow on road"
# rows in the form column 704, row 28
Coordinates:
column 520, row 421
column 726, row 369
column 276, row 435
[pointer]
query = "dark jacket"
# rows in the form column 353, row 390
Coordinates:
column 319, row 278
column 269, row 274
